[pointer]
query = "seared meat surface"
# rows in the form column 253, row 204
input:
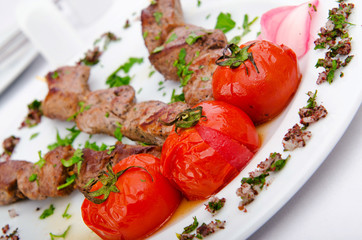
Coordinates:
column 199, row 87
column 53, row 174
column 103, row 109
column 205, row 41
column 67, row 87
column 9, row 191
column 144, row 121
column 158, row 20
column 30, row 189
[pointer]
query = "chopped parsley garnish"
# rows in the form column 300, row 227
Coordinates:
column 69, row 180
column 246, row 29
column 198, row 3
column 41, row 160
column 183, row 71
column 192, row 226
column 66, row 214
column 63, row 235
column 94, row 146
column 67, row 140
column 224, row 22
column 34, row 135
column 75, row 159
column 47, row 212
column 116, row 81
column 177, row 97
column 55, row 75
column 33, row 177
column 192, row 38
column 117, row 133
column 82, row 109
column 172, row 38
column 34, row 115
column 158, row 17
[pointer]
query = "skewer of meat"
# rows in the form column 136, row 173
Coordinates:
column 15, row 178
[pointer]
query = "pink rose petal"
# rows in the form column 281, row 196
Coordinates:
column 289, row 25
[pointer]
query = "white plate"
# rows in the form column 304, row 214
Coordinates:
column 239, row 225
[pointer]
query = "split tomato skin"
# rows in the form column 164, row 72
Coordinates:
column 261, row 95
column 142, row 206
column 200, row 165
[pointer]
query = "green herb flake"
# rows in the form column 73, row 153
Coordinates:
column 192, row 38
column 41, row 160
column 224, row 22
column 145, row 34
column 55, row 75
column 183, row 71
column 66, row 214
column 69, row 180
column 158, row 49
column 77, row 157
column 67, row 140
column 34, row 135
column 158, row 17
column 191, row 227
column 47, row 212
column 63, row 235
column 172, row 38
column 116, row 81
column 33, row 177
column 177, row 97
column 151, row 73
column 118, row 134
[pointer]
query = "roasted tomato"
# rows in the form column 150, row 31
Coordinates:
column 260, row 78
column 145, row 201
column 203, row 158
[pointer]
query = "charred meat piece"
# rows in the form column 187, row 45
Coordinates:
column 199, row 87
column 95, row 161
column 144, row 121
column 195, row 40
column 67, row 87
column 53, row 174
column 9, row 191
column 158, row 20
column 9, row 145
column 29, row 188
column 103, row 109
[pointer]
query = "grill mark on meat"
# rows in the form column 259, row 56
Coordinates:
column 67, row 86
column 143, row 121
column 107, row 107
column 156, row 32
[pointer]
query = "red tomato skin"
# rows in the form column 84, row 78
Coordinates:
column 261, row 95
column 141, row 207
column 192, row 165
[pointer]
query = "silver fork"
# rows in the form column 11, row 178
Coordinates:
column 13, row 44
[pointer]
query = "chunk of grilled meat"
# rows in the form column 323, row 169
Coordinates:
column 95, row 161
column 53, row 174
column 67, row 87
column 143, row 122
column 199, row 86
column 158, row 20
column 9, row 191
column 200, row 42
column 103, row 109
column 29, row 188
